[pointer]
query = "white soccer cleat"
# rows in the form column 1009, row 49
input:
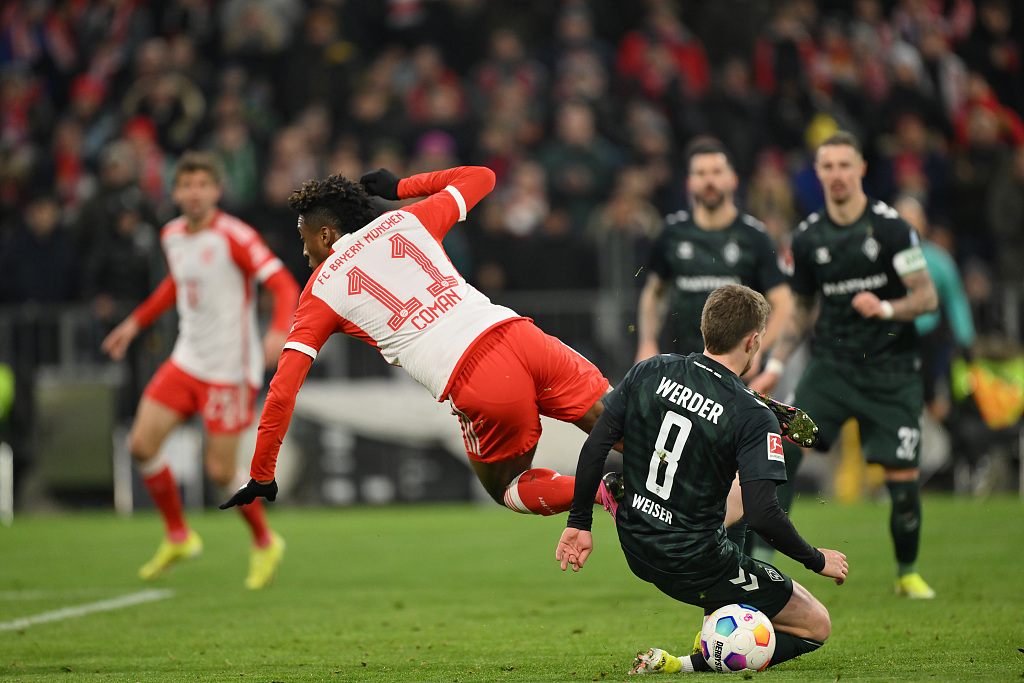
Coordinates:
column 656, row 661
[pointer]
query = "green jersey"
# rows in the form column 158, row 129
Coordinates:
column 695, row 262
column 689, row 425
column 838, row 261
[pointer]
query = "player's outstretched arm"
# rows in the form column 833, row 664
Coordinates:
column 836, row 567
column 574, row 547
column 250, row 492
column 120, row 338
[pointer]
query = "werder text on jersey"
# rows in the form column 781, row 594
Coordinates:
column 693, row 401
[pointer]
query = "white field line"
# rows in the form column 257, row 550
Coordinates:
column 88, row 608
column 46, row 594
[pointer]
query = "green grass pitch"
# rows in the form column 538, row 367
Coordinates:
column 467, row 594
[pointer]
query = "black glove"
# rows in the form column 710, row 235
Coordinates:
column 382, row 183
column 251, row 492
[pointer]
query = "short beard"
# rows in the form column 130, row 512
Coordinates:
column 712, row 205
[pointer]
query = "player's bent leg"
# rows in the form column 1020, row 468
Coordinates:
column 153, row 422
column 803, row 616
column 497, row 475
column 268, row 547
column 802, row 626
column 221, row 459
column 518, row 486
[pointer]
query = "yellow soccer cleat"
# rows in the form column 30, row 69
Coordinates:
column 263, row 563
column 168, row 553
column 656, row 661
column 914, row 587
column 697, row 649
column 794, row 424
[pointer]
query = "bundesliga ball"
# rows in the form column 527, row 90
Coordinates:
column 737, row 638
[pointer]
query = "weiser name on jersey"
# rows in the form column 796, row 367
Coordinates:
column 650, row 507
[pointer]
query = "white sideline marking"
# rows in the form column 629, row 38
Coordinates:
column 88, row 608
column 43, row 594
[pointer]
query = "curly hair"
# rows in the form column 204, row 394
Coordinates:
column 336, row 202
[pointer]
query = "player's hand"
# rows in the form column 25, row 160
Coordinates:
column 764, row 383
column 836, row 567
column 574, row 548
column 251, row 492
column 382, row 183
column 120, row 338
column 867, row 304
column 273, row 345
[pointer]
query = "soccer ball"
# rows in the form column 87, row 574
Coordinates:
column 736, row 638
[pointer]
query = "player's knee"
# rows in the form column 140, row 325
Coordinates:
column 820, row 624
column 142, row 447
column 220, row 473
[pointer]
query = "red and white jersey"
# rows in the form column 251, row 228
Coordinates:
column 392, row 285
column 215, row 271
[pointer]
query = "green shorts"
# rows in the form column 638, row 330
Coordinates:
column 887, row 406
column 740, row 579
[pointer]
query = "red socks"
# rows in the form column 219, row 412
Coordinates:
column 164, row 489
column 540, row 492
column 256, row 518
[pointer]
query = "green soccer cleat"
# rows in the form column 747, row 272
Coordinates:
column 169, row 553
column 263, row 563
column 795, row 424
column 656, row 661
column 914, row 587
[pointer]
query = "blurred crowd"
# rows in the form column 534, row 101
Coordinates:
column 581, row 107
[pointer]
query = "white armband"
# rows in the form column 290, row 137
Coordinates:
column 887, row 311
column 775, row 366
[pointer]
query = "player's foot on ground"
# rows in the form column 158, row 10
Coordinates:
column 263, row 563
column 656, row 661
column 168, row 553
column 697, row 649
column 611, row 491
column 795, row 424
column 914, row 587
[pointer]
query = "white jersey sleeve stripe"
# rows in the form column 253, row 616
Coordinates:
column 268, row 269
column 460, row 200
column 302, row 348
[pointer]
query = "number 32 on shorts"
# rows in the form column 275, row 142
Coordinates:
column 909, row 438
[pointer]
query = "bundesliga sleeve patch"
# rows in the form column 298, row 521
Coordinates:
column 775, row 451
column 909, row 261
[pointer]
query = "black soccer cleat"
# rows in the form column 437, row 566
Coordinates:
column 795, row 424
column 611, row 491
column 616, row 487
